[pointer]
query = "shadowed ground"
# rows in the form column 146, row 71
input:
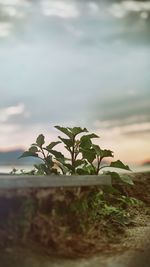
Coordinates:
column 131, row 251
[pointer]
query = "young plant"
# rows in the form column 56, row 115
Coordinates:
column 86, row 158
column 46, row 154
column 94, row 155
column 73, row 144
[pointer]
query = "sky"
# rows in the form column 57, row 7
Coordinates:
column 76, row 63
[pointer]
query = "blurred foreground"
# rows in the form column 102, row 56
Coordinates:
column 34, row 223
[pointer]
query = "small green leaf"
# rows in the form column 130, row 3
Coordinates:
column 85, row 141
column 60, row 164
column 83, row 170
column 106, row 153
column 49, row 161
column 103, row 153
column 126, row 179
column 120, row 177
column 69, row 166
column 33, row 149
column 40, row 140
column 57, row 154
column 109, row 189
column 88, row 154
column 52, row 144
column 91, row 169
column 42, row 169
column 97, row 149
column 91, row 136
column 77, row 130
column 28, row 154
column 64, row 130
column 68, row 142
column 79, row 162
column 120, row 165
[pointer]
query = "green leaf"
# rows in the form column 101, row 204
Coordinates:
column 64, row 130
column 49, row 161
column 33, row 149
column 126, row 179
column 40, row 140
column 69, row 166
column 42, row 169
column 68, row 142
column 97, row 149
column 92, row 135
column 60, row 164
column 85, row 141
column 109, row 189
column 91, row 169
column 103, row 153
column 28, row 154
column 88, row 154
column 71, row 132
column 79, row 162
column 121, row 177
column 77, row 130
column 52, row 144
column 106, row 153
column 120, row 165
column 57, row 154
column 85, row 170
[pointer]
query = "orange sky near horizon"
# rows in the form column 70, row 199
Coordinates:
column 130, row 149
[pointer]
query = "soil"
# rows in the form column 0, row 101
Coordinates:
column 130, row 248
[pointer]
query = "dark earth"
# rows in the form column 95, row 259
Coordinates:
column 128, row 249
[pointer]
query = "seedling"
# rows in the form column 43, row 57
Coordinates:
column 85, row 157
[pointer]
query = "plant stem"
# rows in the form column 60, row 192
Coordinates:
column 99, row 159
column 43, row 154
column 73, row 155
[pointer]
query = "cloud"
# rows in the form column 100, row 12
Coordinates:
column 11, row 11
column 124, row 108
column 22, row 136
column 80, row 61
column 61, row 9
column 124, row 8
column 129, row 142
column 12, row 111
column 5, row 29
column 48, row 15
column 94, row 8
column 15, row 3
column 136, row 128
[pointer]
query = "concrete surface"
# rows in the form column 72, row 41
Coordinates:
column 26, row 181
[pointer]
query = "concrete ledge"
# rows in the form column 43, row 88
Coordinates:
column 26, row 181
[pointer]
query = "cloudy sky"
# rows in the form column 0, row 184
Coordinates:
column 76, row 63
